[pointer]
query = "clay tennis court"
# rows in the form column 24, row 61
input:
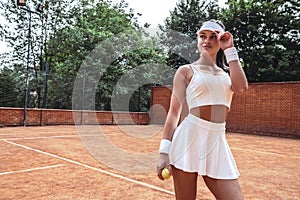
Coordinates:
column 59, row 162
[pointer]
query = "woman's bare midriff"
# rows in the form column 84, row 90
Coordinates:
column 212, row 113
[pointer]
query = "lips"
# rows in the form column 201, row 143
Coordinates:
column 207, row 47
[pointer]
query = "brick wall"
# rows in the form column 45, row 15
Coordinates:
column 40, row 117
column 160, row 103
column 11, row 116
column 265, row 108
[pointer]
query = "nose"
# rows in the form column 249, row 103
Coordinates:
column 207, row 40
column 204, row 41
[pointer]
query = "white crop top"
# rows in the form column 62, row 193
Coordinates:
column 207, row 89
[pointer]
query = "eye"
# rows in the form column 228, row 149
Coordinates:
column 213, row 37
column 202, row 36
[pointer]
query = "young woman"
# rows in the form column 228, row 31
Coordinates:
column 198, row 145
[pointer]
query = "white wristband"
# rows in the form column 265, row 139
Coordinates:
column 231, row 54
column 165, row 146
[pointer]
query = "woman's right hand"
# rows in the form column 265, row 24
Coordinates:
column 162, row 163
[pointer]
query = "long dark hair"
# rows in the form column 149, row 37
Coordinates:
column 221, row 62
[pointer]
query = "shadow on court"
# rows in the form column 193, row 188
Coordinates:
column 59, row 162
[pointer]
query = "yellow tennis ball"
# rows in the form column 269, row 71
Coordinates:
column 165, row 173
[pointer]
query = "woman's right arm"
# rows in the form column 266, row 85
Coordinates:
column 177, row 98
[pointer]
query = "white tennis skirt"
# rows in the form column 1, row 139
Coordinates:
column 201, row 146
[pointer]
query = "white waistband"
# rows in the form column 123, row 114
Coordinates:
column 201, row 122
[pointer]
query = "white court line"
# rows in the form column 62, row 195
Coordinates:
column 47, row 137
column 4, row 134
column 68, row 136
column 94, row 168
column 32, row 169
column 264, row 152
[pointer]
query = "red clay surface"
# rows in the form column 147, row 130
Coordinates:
column 58, row 162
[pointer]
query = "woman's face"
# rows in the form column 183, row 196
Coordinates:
column 208, row 41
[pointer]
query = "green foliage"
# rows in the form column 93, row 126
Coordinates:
column 107, row 44
column 9, row 95
column 186, row 19
column 267, row 36
column 16, row 34
column 73, row 43
column 68, row 33
column 148, row 68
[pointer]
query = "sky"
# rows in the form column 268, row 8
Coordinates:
column 153, row 11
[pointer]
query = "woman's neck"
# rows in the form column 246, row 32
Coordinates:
column 206, row 59
column 208, row 64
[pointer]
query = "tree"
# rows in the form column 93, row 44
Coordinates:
column 73, row 43
column 267, row 36
column 43, row 27
column 181, row 27
column 65, row 35
column 143, row 67
column 120, row 46
column 8, row 89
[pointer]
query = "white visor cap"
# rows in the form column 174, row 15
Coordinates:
column 211, row 26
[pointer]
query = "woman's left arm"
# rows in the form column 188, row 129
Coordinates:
column 238, row 77
column 237, row 74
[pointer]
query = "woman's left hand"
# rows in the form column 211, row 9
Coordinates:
column 162, row 163
column 225, row 40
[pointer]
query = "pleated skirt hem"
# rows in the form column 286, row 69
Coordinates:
column 201, row 146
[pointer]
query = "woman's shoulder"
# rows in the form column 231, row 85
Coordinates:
column 186, row 72
column 185, row 69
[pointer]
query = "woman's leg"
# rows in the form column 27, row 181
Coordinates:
column 224, row 189
column 185, row 184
